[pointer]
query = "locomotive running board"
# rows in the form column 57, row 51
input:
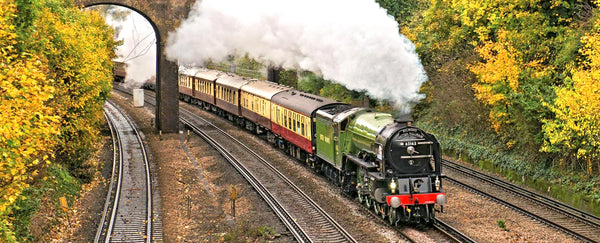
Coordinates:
column 361, row 162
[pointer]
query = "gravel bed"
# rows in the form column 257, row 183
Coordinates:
column 479, row 217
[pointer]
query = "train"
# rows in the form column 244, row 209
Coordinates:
column 387, row 164
column 119, row 71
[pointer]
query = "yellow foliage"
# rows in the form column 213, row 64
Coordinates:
column 576, row 127
column 28, row 127
column 501, row 67
column 51, row 97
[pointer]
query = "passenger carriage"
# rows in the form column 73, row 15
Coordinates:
column 204, row 87
column 255, row 102
column 291, row 115
column 196, row 86
column 186, row 80
column 227, row 96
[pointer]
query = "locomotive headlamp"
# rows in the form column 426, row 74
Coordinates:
column 393, row 186
column 437, row 183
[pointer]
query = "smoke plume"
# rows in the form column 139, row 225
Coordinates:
column 138, row 50
column 353, row 42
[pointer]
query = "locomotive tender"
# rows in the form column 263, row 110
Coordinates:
column 389, row 165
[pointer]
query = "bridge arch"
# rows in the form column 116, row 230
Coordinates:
column 164, row 17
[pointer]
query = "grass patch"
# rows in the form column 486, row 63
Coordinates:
column 246, row 232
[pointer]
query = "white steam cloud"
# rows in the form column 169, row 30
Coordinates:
column 139, row 45
column 353, row 42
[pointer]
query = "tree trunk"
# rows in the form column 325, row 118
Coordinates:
column 590, row 166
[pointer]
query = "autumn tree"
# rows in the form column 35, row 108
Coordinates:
column 55, row 74
column 79, row 48
column 28, row 127
column 575, row 130
column 507, row 55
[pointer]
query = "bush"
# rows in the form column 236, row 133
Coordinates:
column 501, row 224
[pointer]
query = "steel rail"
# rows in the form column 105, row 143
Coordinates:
column 299, row 233
column 147, row 236
column 116, row 157
column 451, row 232
column 519, row 209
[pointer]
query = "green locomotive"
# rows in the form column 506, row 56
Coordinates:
column 392, row 167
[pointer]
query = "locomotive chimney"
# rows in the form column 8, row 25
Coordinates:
column 273, row 74
column 405, row 120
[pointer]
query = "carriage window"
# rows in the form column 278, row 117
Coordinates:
column 294, row 126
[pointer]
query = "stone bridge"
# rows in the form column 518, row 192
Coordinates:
column 164, row 16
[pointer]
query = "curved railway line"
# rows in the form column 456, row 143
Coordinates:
column 304, row 218
column 127, row 215
column 582, row 225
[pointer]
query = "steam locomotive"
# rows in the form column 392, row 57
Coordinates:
column 390, row 166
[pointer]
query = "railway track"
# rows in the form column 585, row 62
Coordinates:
column 582, row 225
column 127, row 215
column 304, row 218
column 451, row 232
